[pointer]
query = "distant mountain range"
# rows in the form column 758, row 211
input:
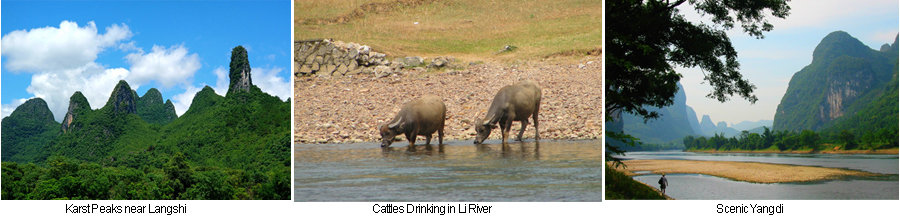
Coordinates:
column 679, row 120
column 847, row 87
column 672, row 125
column 748, row 125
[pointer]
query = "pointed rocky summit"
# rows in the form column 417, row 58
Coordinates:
column 123, row 99
column 78, row 104
column 239, row 72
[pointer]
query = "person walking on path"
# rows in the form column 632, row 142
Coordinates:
column 663, row 182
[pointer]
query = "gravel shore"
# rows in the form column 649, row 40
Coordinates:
column 742, row 171
column 350, row 109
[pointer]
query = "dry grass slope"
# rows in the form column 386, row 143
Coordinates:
column 466, row 29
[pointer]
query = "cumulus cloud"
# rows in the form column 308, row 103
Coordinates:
column 62, row 61
column 167, row 66
column 94, row 81
column 58, row 48
column 183, row 101
column 268, row 80
column 221, row 87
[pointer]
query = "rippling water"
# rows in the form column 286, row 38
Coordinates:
column 547, row 171
column 696, row 186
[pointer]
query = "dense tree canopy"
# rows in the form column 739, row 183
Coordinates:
column 647, row 39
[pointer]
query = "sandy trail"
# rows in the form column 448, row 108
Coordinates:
column 742, row 171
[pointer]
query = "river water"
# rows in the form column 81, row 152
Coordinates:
column 696, row 186
column 524, row 171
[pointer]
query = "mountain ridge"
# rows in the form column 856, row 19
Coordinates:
column 843, row 71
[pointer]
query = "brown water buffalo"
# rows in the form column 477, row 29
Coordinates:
column 422, row 116
column 515, row 102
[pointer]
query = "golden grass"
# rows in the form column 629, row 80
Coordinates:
column 466, row 29
column 742, row 171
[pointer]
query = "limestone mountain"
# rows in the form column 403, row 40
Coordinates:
column 672, row 125
column 239, row 71
column 204, row 99
column 151, row 108
column 748, row 125
column 707, row 127
column 844, row 77
column 27, row 131
column 692, row 119
column 78, row 106
column 123, row 99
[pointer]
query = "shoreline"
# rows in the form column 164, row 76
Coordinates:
column 654, row 189
column 742, row 171
column 878, row 151
column 349, row 109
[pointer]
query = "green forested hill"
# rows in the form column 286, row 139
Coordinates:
column 232, row 147
column 28, row 131
column 152, row 109
column 844, row 79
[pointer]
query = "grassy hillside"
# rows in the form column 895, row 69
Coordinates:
column 466, row 29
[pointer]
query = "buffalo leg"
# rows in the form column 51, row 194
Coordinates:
column 535, row 118
column 505, row 129
column 428, row 140
column 522, row 131
column 441, row 136
column 412, row 140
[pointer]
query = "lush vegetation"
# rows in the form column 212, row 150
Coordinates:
column 622, row 187
column 231, row 147
column 805, row 140
column 28, row 131
column 152, row 109
column 847, row 86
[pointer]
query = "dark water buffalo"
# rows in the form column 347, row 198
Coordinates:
column 422, row 116
column 515, row 102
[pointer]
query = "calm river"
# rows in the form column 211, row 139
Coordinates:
column 548, row 171
column 695, row 186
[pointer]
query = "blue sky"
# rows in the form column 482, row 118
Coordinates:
column 51, row 49
column 769, row 63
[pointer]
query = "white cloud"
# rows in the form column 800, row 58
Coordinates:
column 62, row 61
column 57, row 48
column 221, row 81
column 166, row 66
column 268, row 81
column 183, row 101
column 94, row 81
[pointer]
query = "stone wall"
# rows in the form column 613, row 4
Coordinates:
column 326, row 58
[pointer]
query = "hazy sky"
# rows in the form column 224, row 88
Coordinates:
column 769, row 63
column 52, row 49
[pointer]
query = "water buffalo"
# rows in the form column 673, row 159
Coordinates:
column 422, row 116
column 515, row 102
